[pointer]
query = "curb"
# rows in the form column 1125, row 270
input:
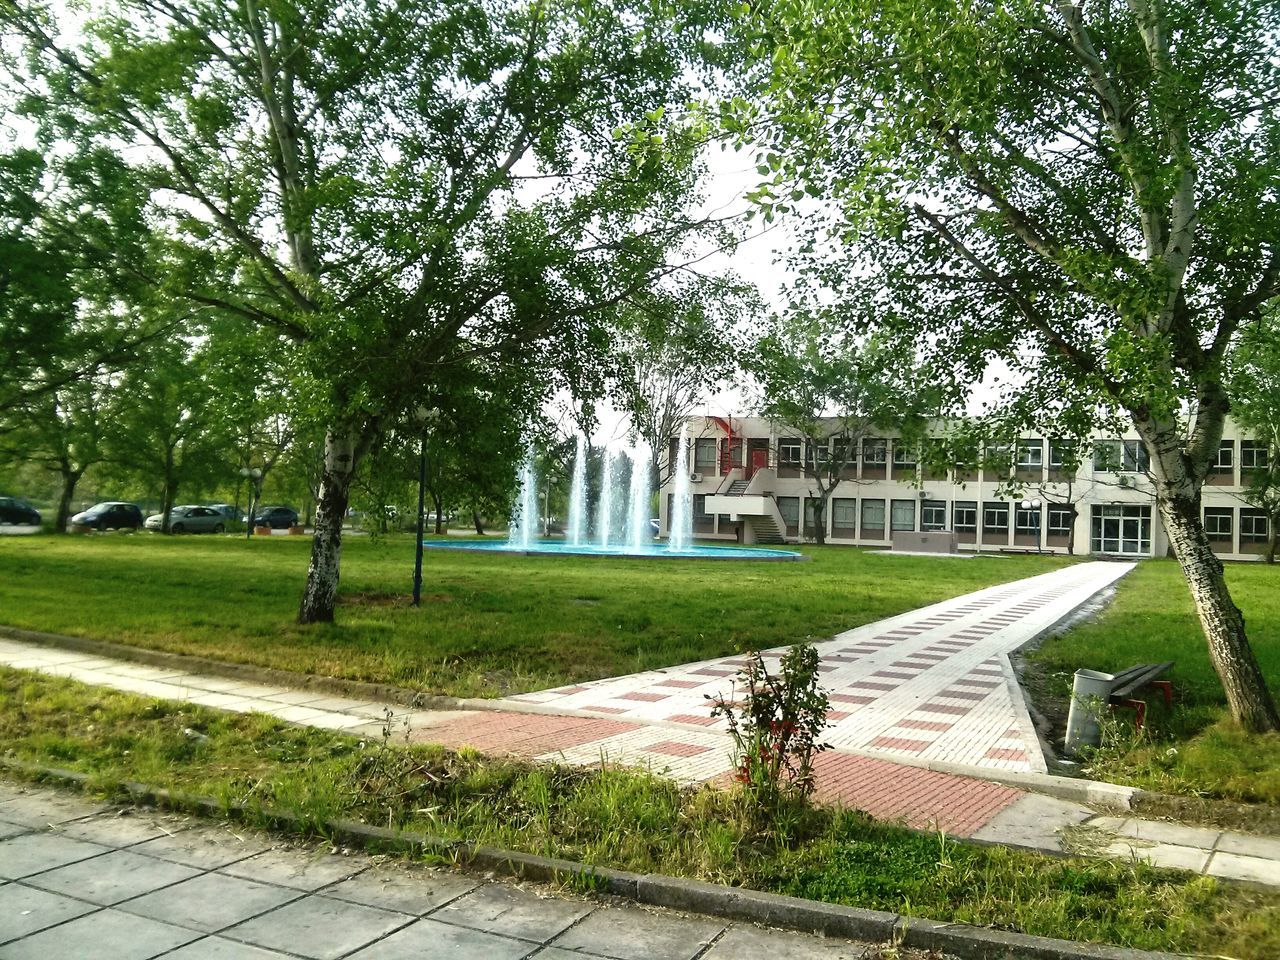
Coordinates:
column 730, row 903
column 1110, row 795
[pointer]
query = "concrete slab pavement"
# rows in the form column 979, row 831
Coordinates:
column 317, row 905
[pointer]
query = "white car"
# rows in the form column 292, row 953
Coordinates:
column 189, row 519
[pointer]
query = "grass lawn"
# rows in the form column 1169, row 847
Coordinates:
column 1193, row 748
column 623, row 819
column 489, row 625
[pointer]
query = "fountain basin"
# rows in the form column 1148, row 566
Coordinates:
column 656, row 551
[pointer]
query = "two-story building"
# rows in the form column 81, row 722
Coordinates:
column 749, row 484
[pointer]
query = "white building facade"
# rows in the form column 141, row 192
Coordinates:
column 749, row 486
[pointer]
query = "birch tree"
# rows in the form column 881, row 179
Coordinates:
column 395, row 186
column 1085, row 192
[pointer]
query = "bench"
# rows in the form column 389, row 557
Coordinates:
column 1127, row 682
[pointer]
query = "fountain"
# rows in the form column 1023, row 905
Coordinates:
column 622, row 524
column 524, row 518
column 577, row 529
column 680, row 522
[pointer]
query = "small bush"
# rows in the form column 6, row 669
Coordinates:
column 776, row 729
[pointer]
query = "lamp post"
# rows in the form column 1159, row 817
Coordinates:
column 254, row 476
column 1034, row 505
column 425, row 417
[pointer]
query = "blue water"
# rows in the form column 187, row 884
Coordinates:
column 658, row 551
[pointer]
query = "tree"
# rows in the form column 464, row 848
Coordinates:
column 171, row 436
column 1085, row 194
column 66, row 430
column 1255, row 405
column 670, row 351
column 395, row 186
column 833, row 392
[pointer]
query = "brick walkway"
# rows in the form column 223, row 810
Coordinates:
column 933, row 684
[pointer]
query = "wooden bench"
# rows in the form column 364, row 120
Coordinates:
column 1127, row 682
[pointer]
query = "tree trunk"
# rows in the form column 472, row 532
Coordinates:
column 1246, row 689
column 820, row 519
column 167, row 496
column 1273, row 529
column 320, row 596
column 475, row 519
column 438, row 504
column 69, row 480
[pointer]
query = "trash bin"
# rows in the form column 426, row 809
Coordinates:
column 1090, row 690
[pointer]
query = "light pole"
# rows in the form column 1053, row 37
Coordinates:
column 254, row 476
column 1034, row 505
column 425, row 418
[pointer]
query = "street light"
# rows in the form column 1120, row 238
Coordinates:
column 425, row 417
column 1034, row 505
column 254, row 476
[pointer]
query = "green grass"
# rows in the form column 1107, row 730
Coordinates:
column 623, row 819
column 1194, row 748
column 489, row 625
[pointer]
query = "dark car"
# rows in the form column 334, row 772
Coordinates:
column 13, row 510
column 278, row 518
column 111, row 515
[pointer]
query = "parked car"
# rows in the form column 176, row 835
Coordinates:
column 111, row 515
column 234, row 514
column 190, row 519
column 15, row 511
column 278, row 518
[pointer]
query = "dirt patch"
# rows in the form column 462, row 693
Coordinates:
column 1224, row 814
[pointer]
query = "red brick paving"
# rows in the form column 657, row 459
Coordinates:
column 701, row 721
column 900, row 743
column 919, row 798
column 527, row 734
column 674, row 748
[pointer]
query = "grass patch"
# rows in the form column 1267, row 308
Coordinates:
column 489, row 625
column 622, row 819
column 1194, row 748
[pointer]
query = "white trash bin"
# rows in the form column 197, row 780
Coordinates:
column 1084, row 726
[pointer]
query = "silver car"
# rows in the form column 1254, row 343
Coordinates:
column 189, row 519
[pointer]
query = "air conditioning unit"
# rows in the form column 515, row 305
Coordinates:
column 695, row 478
column 1126, row 481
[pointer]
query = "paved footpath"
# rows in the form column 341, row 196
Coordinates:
column 79, row 880
column 948, row 661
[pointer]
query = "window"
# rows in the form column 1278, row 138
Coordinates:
column 789, row 452
column 1061, row 516
column 704, row 455
column 1106, row 456
column 844, row 513
column 1121, row 528
column 964, row 516
column 904, row 454
column 809, row 504
column 1059, row 454
column 789, row 507
column 1226, row 461
column 1253, row 526
column 997, row 456
column 1135, row 457
column 1116, row 456
column 700, row 508
column 872, row 517
column 1030, row 454
column 842, row 450
column 1217, row 524
column 995, row 518
column 1253, row 455
column 733, row 449
column 818, row 452
column 874, row 450
column 903, row 516
column 1026, row 521
column 933, row 515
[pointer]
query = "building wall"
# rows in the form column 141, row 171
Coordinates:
column 1119, row 496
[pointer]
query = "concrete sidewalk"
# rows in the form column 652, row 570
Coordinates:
column 81, row 880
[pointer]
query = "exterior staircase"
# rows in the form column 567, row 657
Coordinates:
column 737, row 488
column 766, row 529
